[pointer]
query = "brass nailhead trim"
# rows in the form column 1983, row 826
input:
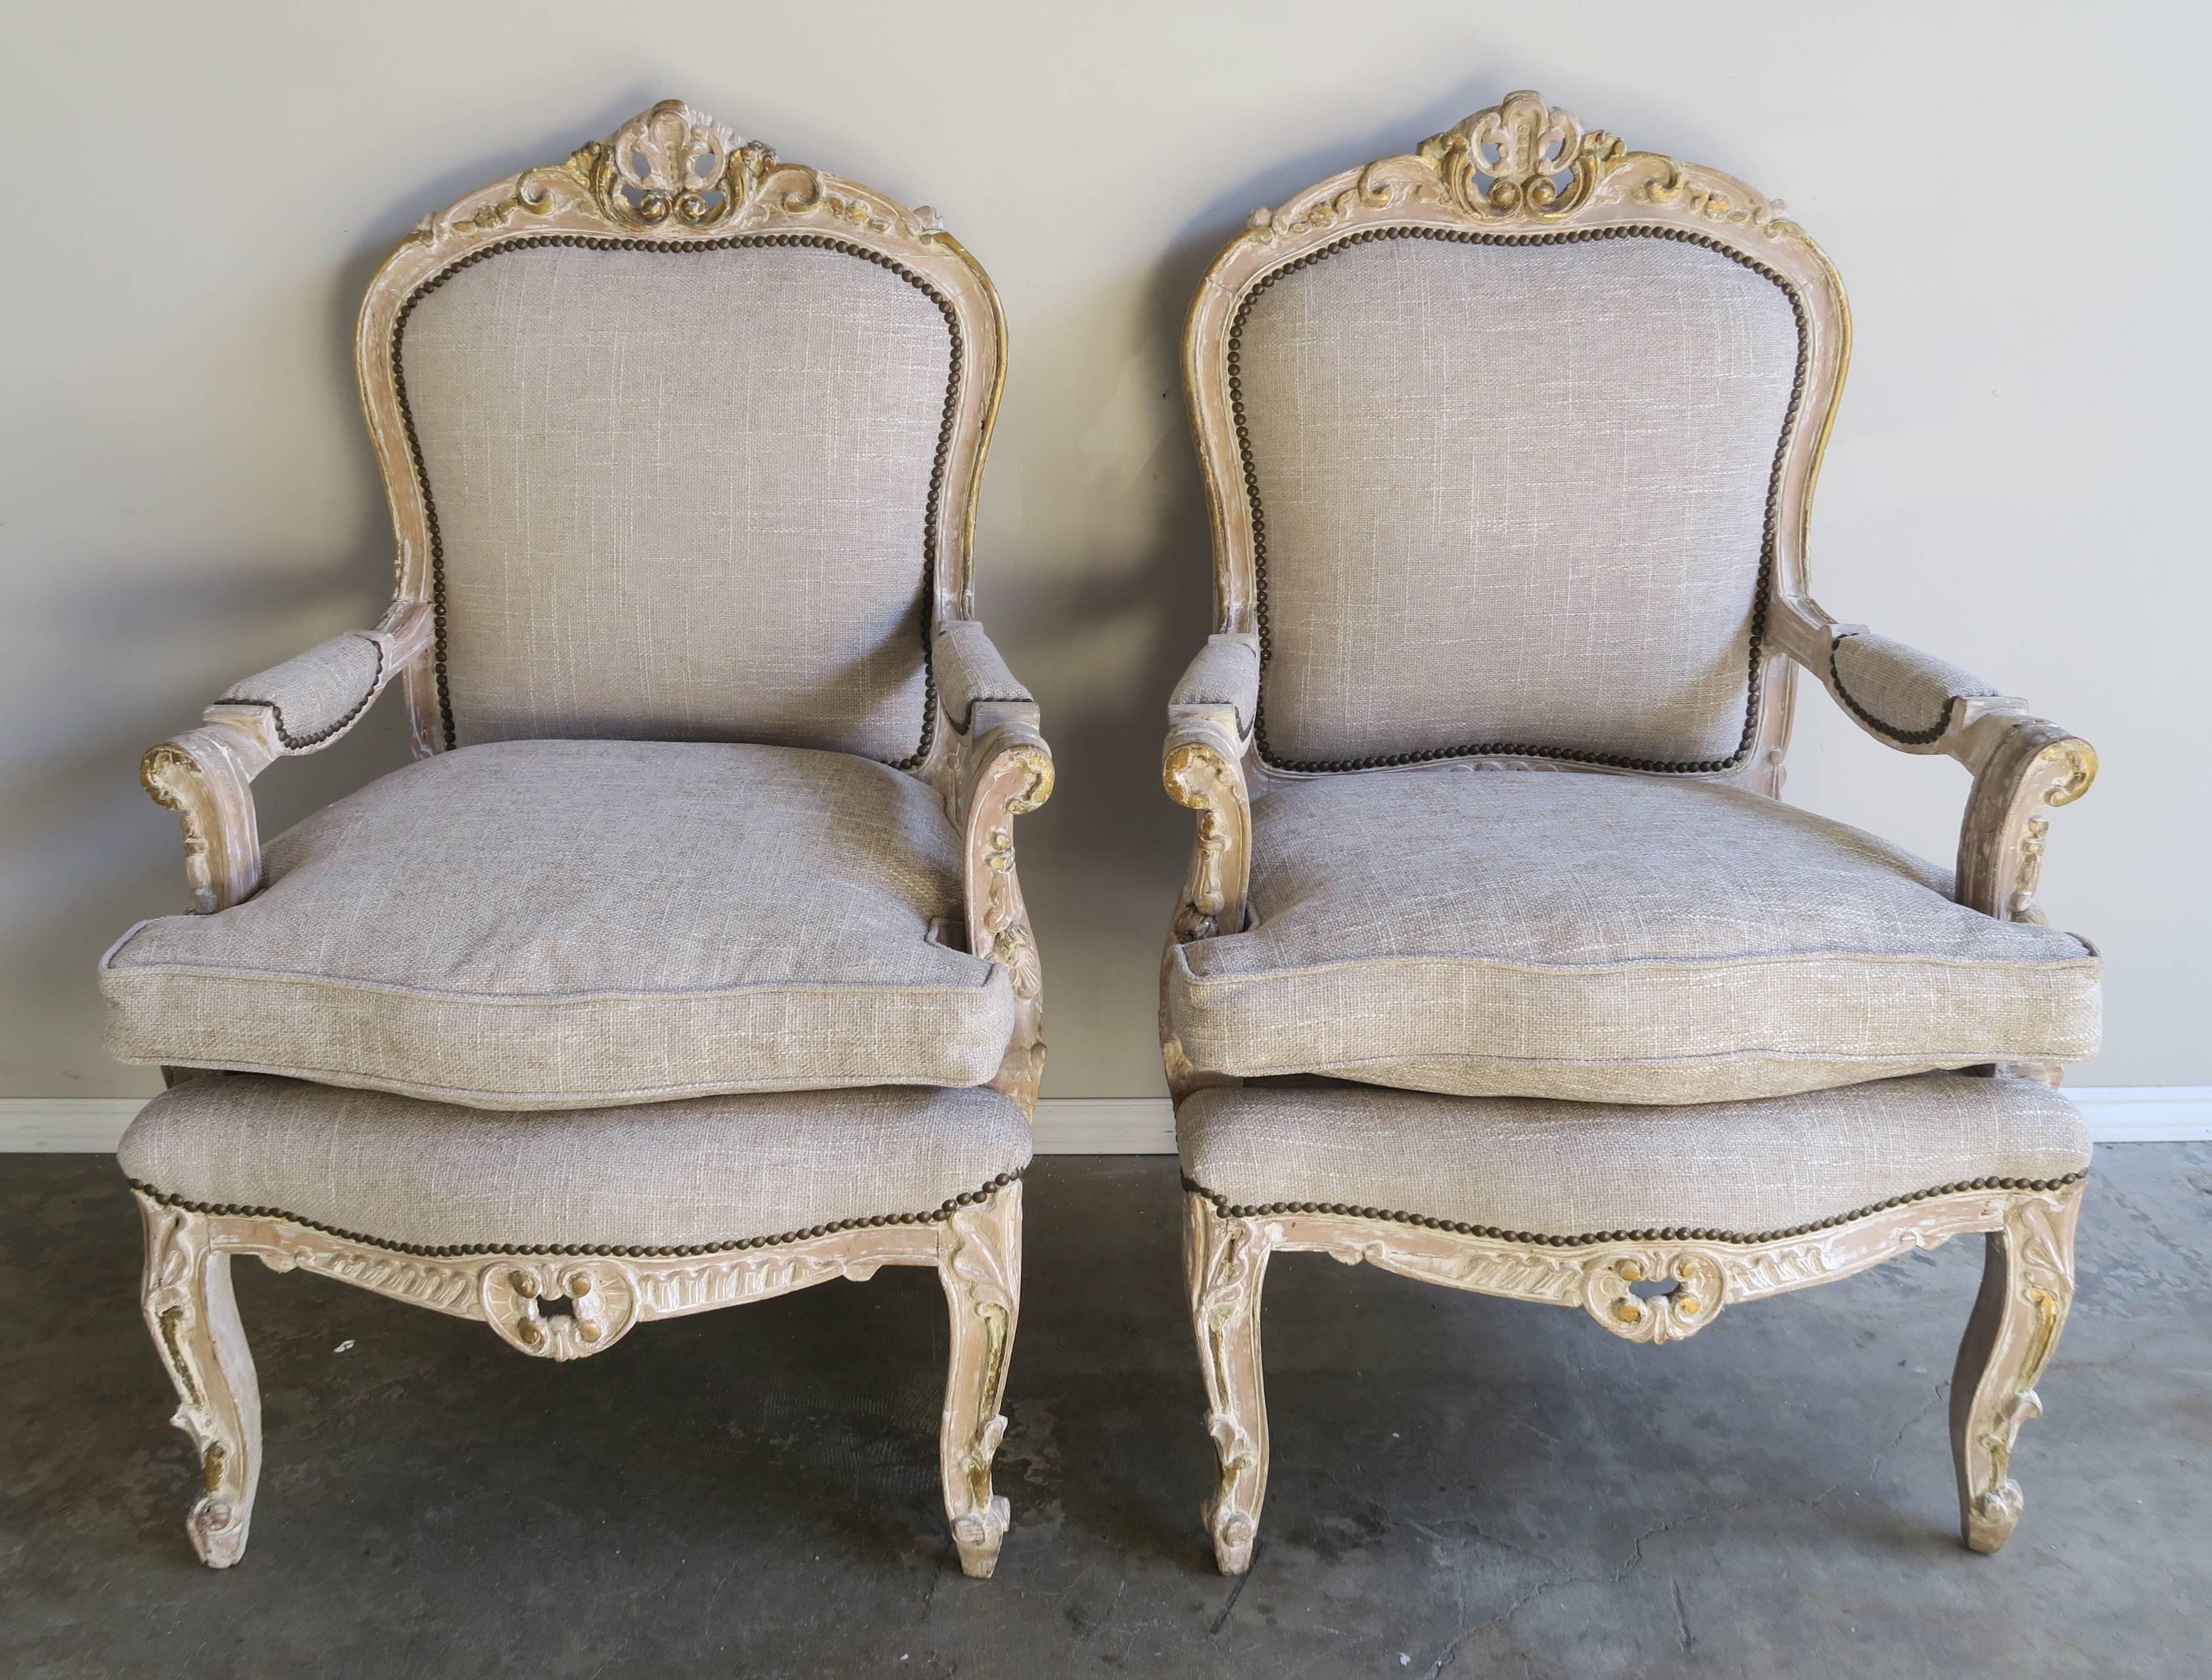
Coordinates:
column 1762, row 587
column 1910, row 737
column 937, row 1215
column 1670, row 1234
column 301, row 743
column 595, row 242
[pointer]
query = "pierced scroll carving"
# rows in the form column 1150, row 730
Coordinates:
column 670, row 161
column 599, row 1299
column 1684, row 1294
column 1520, row 157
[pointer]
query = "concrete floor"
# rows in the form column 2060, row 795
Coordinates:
column 1459, row 1484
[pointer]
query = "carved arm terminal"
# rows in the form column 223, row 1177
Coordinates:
column 1210, row 721
column 205, row 775
column 1916, row 703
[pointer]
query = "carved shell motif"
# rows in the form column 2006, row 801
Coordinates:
column 672, row 162
column 1520, row 158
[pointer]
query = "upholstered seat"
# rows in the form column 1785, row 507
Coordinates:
column 1607, row 938
column 710, row 1173
column 1578, row 1172
column 551, row 923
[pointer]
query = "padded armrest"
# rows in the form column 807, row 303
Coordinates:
column 206, row 774
column 309, row 700
column 971, row 673
column 1225, row 673
column 2021, row 765
column 1898, row 691
column 317, row 697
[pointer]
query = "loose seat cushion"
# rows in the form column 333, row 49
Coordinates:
column 1521, row 1165
column 1607, row 939
column 559, row 924
column 707, row 1172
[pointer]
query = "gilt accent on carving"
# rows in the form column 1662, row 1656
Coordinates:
column 1520, row 158
column 1197, row 776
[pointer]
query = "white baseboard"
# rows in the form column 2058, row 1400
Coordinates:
column 1117, row 1125
column 1105, row 1126
column 64, row 1125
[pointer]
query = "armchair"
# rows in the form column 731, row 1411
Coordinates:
column 688, row 964
column 1499, row 963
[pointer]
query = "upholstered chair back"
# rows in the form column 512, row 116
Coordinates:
column 689, row 439
column 682, row 492
column 1509, row 438
column 1514, row 494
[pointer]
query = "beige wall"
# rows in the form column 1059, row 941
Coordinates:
column 2014, row 195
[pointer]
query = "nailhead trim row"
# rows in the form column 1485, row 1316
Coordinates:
column 1762, row 587
column 1910, row 737
column 684, row 247
column 228, row 1210
column 304, row 743
column 1670, row 1234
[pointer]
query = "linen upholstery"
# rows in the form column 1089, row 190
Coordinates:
column 682, row 493
column 1577, row 1169
column 1225, row 672
column 1902, row 691
column 1607, row 939
column 708, row 1170
column 970, row 669
column 1512, row 494
column 558, row 924
column 318, row 693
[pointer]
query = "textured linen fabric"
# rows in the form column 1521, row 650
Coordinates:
column 1226, row 672
column 1577, row 1169
column 672, row 1175
column 319, row 691
column 1513, row 495
column 1607, row 939
column 554, row 924
column 682, row 496
column 1902, row 690
column 969, row 669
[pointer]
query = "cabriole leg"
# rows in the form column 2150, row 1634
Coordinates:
column 2027, row 1285
column 1224, row 1263
column 979, row 1261
column 193, row 1317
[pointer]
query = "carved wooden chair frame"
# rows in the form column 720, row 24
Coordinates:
column 670, row 176
column 1524, row 171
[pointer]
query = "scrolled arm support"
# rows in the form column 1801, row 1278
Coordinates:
column 2021, row 764
column 1009, row 773
column 206, row 774
column 1202, row 768
column 2027, row 767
